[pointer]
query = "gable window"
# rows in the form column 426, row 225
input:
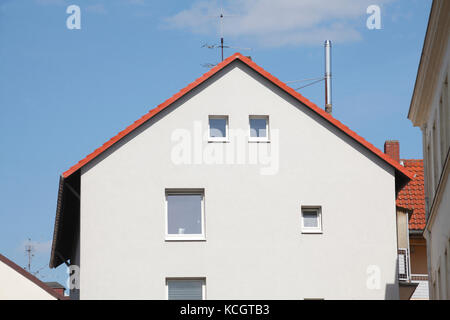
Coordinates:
column 185, row 215
column 259, row 128
column 218, row 128
column 311, row 220
column 185, row 289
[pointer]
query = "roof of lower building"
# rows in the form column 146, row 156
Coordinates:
column 32, row 278
column 412, row 196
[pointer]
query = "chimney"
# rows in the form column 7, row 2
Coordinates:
column 57, row 287
column 392, row 149
column 328, row 103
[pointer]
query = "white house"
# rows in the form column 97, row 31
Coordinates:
column 18, row 284
column 237, row 187
column 430, row 110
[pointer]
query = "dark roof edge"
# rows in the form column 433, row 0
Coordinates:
column 56, row 232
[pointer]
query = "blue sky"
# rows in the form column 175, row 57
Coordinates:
column 65, row 92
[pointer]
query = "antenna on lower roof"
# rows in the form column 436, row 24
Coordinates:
column 29, row 251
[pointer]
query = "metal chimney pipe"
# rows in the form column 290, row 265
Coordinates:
column 328, row 103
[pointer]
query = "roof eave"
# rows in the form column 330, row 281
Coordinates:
column 56, row 230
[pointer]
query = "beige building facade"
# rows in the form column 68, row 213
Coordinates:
column 430, row 111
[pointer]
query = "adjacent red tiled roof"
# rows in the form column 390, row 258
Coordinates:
column 412, row 196
column 237, row 56
column 32, row 278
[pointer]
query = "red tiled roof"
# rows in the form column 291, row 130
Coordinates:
column 237, row 56
column 412, row 196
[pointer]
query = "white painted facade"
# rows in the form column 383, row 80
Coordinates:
column 430, row 110
column 254, row 247
column 14, row 286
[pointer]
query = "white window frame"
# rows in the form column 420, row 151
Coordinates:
column 318, row 210
column 203, row 279
column 218, row 139
column 185, row 237
column 258, row 139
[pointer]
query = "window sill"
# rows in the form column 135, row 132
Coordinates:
column 218, row 140
column 262, row 140
column 312, row 231
column 193, row 238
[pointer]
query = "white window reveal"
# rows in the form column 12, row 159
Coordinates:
column 185, row 215
column 218, row 128
column 311, row 220
column 259, row 128
column 185, row 289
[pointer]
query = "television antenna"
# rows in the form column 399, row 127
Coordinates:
column 327, row 78
column 221, row 45
column 29, row 251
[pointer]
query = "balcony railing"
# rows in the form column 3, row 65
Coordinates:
column 403, row 264
column 404, row 275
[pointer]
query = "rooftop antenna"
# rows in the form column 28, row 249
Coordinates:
column 328, row 103
column 327, row 78
column 221, row 45
column 29, row 251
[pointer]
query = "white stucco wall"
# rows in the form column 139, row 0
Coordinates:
column 435, row 152
column 14, row 286
column 439, row 243
column 254, row 247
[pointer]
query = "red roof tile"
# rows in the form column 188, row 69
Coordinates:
column 237, row 56
column 412, row 196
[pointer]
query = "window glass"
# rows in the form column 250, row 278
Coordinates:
column 218, row 127
column 310, row 219
column 184, row 213
column 258, row 127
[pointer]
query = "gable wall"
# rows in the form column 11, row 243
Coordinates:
column 254, row 247
column 14, row 286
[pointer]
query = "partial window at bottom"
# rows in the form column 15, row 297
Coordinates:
column 185, row 289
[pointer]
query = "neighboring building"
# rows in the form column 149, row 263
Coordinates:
column 18, row 284
column 237, row 187
column 430, row 110
column 410, row 225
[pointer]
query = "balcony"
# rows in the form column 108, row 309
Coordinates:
column 421, row 292
column 406, row 278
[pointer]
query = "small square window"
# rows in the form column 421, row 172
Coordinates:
column 185, row 215
column 311, row 220
column 218, row 128
column 185, row 289
column 259, row 128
